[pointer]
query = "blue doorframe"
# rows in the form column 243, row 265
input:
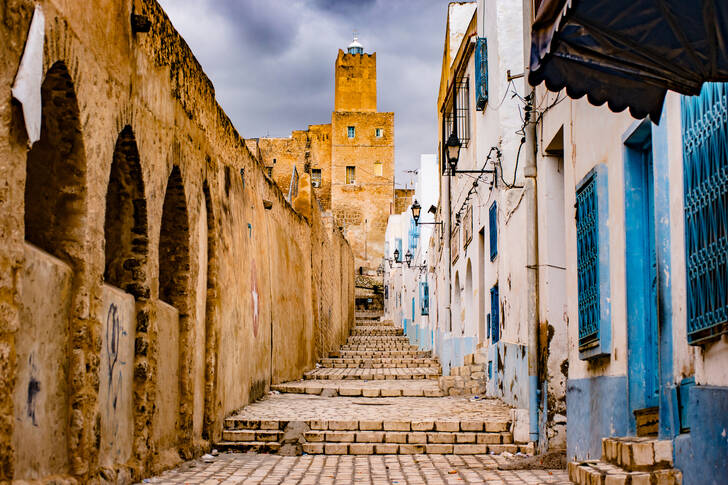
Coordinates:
column 641, row 271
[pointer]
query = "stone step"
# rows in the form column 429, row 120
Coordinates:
column 411, row 437
column 637, row 453
column 371, row 330
column 492, row 426
column 250, row 446
column 350, row 354
column 252, row 435
column 405, row 361
column 353, row 388
column 377, row 364
column 595, row 472
column 408, row 449
column 373, row 374
column 379, row 347
column 377, row 338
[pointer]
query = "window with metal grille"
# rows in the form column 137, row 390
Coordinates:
column 481, row 74
column 316, row 177
column 458, row 103
column 705, row 172
column 350, row 175
column 398, row 247
column 350, row 132
column 424, row 298
column 494, row 314
column 269, row 171
column 493, row 230
column 414, row 236
column 587, row 260
column 379, row 132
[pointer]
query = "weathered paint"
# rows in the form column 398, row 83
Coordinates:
column 510, row 380
column 597, row 407
column 701, row 453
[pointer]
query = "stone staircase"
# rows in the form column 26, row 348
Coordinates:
column 628, row 461
column 376, row 395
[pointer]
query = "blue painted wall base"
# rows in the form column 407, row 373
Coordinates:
column 702, row 454
column 597, row 408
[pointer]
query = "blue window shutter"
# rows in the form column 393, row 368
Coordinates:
column 494, row 314
column 481, row 74
column 705, row 172
column 398, row 246
column 493, row 228
column 587, row 257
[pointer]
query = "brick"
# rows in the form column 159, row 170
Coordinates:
column 350, row 391
column 471, row 425
column 469, row 359
column 663, row 451
column 370, row 425
column 488, row 438
column 370, row 436
column 340, row 436
column 270, row 425
column 447, row 426
column 391, row 392
column 417, row 438
column 412, row 392
column 643, row 454
column 314, row 389
column 386, row 449
column 318, row 424
column 464, row 437
column 470, row 449
column 314, row 436
column 496, row 426
column 370, row 392
column 395, row 437
column 336, row 448
column 411, row 449
column 528, row 449
column 313, row 448
column 640, row 478
column 440, row 449
column 440, row 438
column 422, row 425
column 343, row 425
column 498, row 449
column 615, row 479
column 396, row 425
column 239, row 435
column 506, row 438
column 361, row 449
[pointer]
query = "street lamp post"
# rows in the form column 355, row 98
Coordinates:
column 453, row 146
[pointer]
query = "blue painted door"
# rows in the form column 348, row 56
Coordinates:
column 641, row 272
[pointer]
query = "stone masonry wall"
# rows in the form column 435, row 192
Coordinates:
column 152, row 278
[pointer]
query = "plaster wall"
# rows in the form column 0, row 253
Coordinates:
column 41, row 394
column 116, row 374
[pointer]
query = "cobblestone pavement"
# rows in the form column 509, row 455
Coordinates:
column 302, row 407
column 251, row 468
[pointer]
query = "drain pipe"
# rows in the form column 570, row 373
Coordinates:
column 529, row 172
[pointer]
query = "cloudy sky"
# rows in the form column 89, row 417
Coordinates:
column 272, row 61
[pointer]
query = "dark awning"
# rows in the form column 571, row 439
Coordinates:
column 627, row 53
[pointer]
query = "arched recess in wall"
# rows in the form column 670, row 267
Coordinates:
column 175, row 327
column 211, row 339
column 469, row 305
column 55, row 223
column 124, row 311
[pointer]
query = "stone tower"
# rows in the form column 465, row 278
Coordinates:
column 350, row 160
column 362, row 156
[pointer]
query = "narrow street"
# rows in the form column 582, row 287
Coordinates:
column 378, row 396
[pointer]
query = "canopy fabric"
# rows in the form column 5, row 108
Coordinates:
column 627, row 53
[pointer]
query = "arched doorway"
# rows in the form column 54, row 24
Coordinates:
column 55, row 223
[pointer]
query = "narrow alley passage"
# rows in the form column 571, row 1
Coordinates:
column 377, row 396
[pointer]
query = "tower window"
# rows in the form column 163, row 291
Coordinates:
column 378, row 169
column 350, row 131
column 379, row 132
column 350, row 175
column 269, row 170
column 316, row 177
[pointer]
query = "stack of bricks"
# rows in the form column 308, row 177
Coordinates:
column 628, row 461
column 468, row 379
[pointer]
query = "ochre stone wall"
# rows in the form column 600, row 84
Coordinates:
column 356, row 82
column 153, row 279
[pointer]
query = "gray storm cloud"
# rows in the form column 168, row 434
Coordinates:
column 272, row 61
